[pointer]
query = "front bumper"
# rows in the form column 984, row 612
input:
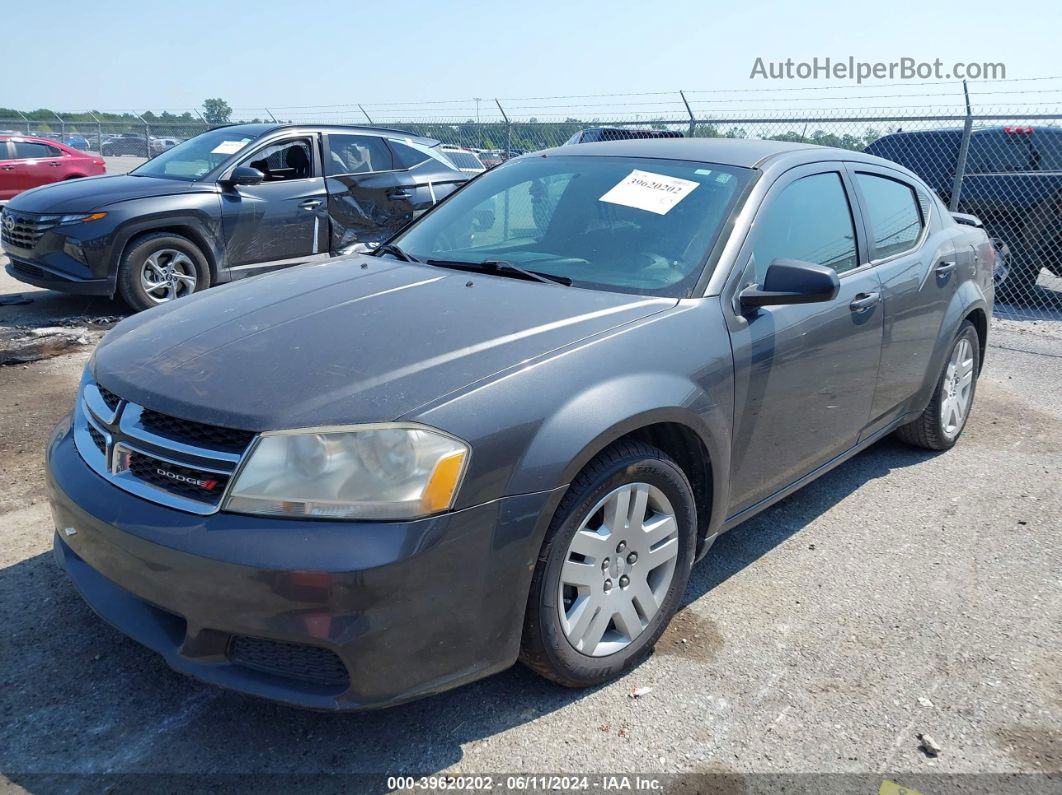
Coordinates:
column 401, row 609
column 38, row 276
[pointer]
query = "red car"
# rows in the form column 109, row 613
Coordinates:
column 26, row 162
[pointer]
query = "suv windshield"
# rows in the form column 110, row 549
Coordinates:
column 610, row 223
column 197, row 156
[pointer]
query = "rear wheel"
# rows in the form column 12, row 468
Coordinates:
column 160, row 268
column 939, row 426
column 613, row 569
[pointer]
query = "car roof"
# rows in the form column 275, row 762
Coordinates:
column 33, row 139
column 261, row 128
column 747, row 153
column 1037, row 129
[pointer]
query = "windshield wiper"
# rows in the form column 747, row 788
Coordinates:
column 394, row 251
column 502, row 267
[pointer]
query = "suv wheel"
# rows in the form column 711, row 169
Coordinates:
column 613, row 568
column 939, row 426
column 159, row 268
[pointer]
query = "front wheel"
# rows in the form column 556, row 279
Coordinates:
column 160, row 268
column 939, row 426
column 613, row 569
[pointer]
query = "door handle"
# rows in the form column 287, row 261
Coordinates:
column 399, row 194
column 7, row 168
column 55, row 165
column 864, row 301
column 944, row 268
column 310, row 204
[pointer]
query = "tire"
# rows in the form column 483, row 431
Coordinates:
column 547, row 646
column 171, row 252
column 933, row 430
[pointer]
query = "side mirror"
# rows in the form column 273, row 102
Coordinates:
column 245, row 175
column 790, row 281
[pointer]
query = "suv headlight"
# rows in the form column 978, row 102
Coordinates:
column 383, row 471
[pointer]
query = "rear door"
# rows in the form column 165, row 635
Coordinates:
column 920, row 263
column 283, row 220
column 805, row 373
column 376, row 186
column 36, row 164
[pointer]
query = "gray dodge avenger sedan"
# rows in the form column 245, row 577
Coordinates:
column 510, row 432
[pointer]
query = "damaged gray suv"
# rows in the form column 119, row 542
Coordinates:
column 509, row 433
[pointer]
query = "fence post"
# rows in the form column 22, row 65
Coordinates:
column 62, row 127
column 693, row 123
column 274, row 118
column 23, row 115
column 964, row 149
column 508, row 132
column 366, row 115
column 147, row 136
column 99, row 133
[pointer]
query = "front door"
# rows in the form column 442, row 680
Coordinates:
column 804, row 374
column 35, row 164
column 285, row 218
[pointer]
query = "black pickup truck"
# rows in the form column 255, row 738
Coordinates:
column 1013, row 183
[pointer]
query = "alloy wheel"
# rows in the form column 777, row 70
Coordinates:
column 168, row 274
column 957, row 389
column 618, row 569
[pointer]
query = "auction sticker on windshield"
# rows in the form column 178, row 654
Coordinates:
column 229, row 147
column 645, row 190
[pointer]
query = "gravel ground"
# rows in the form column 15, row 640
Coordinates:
column 903, row 594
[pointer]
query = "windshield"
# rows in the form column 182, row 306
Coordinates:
column 197, row 156
column 610, row 223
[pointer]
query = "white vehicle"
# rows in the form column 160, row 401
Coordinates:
column 463, row 159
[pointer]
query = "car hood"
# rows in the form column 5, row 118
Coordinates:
column 357, row 339
column 94, row 193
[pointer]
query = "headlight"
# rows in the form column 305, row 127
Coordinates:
column 80, row 217
column 385, row 471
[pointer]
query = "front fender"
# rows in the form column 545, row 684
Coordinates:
column 534, row 427
column 197, row 216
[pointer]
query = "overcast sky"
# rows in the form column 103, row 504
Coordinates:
column 136, row 55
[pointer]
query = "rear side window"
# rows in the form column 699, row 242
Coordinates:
column 894, row 214
column 810, row 220
column 357, row 154
column 28, row 150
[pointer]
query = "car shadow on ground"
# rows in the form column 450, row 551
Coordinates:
column 79, row 698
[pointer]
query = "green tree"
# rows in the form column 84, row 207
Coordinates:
column 216, row 111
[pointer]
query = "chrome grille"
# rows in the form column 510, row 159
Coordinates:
column 179, row 463
column 26, row 229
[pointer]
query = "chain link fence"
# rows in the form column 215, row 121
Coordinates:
column 1002, row 165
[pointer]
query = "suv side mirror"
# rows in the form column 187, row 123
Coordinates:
column 791, row 281
column 244, row 175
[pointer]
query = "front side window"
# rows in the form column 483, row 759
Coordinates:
column 631, row 225
column 811, row 221
column 28, row 150
column 894, row 214
column 357, row 154
column 285, row 160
